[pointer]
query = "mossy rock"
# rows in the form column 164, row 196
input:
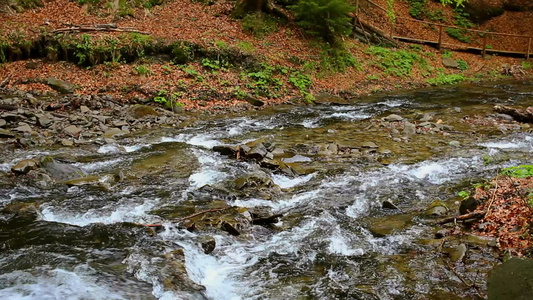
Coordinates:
column 140, row 111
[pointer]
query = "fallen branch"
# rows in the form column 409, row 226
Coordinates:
column 97, row 27
column 187, row 217
column 468, row 216
column 5, row 82
column 520, row 115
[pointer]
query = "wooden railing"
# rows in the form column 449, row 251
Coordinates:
column 382, row 22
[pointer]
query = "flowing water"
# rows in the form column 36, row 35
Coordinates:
column 84, row 245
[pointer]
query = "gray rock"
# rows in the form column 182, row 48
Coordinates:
column 24, row 166
column 23, row 128
column 113, row 132
column 449, row 62
column 258, row 152
column 388, row 204
column 409, row 128
column 13, row 117
column 208, row 244
column 61, row 86
column 393, row 118
column 225, row 150
column 253, row 101
column 3, row 123
column 426, row 117
column 468, row 205
column 121, row 123
column 59, row 170
column 325, row 98
column 455, row 144
column 84, row 109
column 72, row 130
column 458, row 253
column 44, row 121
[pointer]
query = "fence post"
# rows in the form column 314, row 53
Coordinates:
column 392, row 30
column 440, row 37
column 528, row 48
column 484, row 51
column 356, row 7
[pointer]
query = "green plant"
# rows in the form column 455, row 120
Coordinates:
column 301, row 81
column 397, row 63
column 142, row 70
column 246, row 46
column 447, row 53
column 436, row 16
column 264, row 83
column 221, row 45
column 417, row 9
column 527, row 65
column 326, row 19
column 336, row 59
column 463, row 194
column 461, row 20
column 166, row 69
column 457, row 3
column 463, row 65
column 181, row 53
column 372, row 77
column 215, row 65
column 168, row 100
column 521, row 171
column 442, row 79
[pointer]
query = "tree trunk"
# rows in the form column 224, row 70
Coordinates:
column 245, row 7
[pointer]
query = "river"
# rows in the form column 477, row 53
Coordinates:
column 334, row 240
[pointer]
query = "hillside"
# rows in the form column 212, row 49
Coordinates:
column 233, row 59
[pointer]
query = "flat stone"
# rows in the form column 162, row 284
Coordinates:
column 44, row 121
column 24, row 166
column 455, row 144
column 72, row 130
column 325, row 98
column 120, row 123
column 369, row 145
column 60, row 85
column 393, row 118
column 23, row 128
column 409, row 129
column 113, row 132
column 511, row 280
column 2, row 122
column 253, row 101
column 141, row 111
column 84, row 109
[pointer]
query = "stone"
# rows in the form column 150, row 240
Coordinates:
column 426, row 117
column 297, row 159
column 253, row 101
column 393, row 118
column 113, row 132
column 61, row 86
column 4, row 133
column 84, row 109
column 225, row 150
column 67, row 142
column 449, row 62
column 72, row 130
column 468, row 205
column 23, row 128
column 3, row 123
column 120, row 123
column 44, row 121
column 12, row 117
column 458, row 253
column 511, row 280
column 257, row 152
column 409, row 129
column 369, row 145
column 436, row 208
column 388, row 204
column 88, row 180
column 381, row 227
column 208, row 244
column 58, row 170
column 325, row 98
column 24, row 166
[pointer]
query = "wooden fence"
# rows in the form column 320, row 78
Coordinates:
column 434, row 33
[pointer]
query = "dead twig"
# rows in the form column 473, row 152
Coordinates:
column 472, row 215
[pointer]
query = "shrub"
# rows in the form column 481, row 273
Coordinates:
column 397, row 63
column 522, row 171
column 259, row 24
column 446, row 79
column 326, row 19
column 142, row 70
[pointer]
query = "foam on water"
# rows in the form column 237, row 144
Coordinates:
column 112, row 148
column 115, row 213
column 99, row 165
column 206, row 141
column 285, row 182
column 57, row 284
column 209, row 172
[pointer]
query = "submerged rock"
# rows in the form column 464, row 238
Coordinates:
column 59, row 170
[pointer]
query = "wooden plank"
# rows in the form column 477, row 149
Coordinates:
column 528, row 48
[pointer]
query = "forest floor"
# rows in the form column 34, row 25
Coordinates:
column 285, row 48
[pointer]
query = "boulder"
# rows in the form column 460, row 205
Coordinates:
column 24, row 166
column 208, row 244
column 61, row 86
column 468, row 205
column 225, row 150
column 253, row 101
column 257, row 152
column 3, row 122
column 58, row 170
column 480, row 11
column 511, row 280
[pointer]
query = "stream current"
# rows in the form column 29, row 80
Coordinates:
column 83, row 244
